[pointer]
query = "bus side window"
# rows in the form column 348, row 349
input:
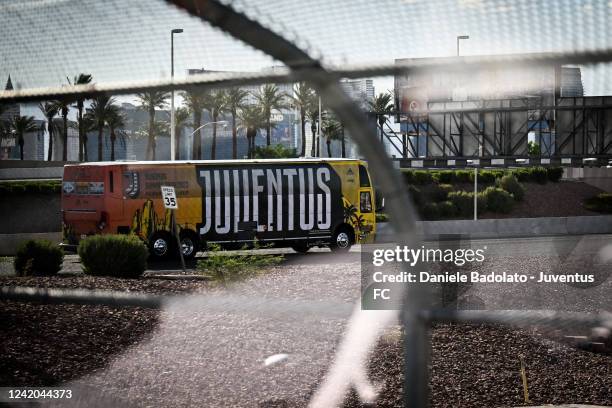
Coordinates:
column 364, row 179
column 111, row 184
column 365, row 202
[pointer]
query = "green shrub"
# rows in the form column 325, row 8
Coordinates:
column 464, row 176
column 22, row 187
column 123, row 256
column 274, row 152
column 498, row 200
column 446, row 209
column 419, row 177
column 511, row 185
column 430, row 211
column 486, row 177
column 539, row 175
column 416, row 195
column 382, row 217
column 463, row 201
column 224, row 268
column 446, row 176
column 38, row 257
column 602, row 202
column 554, row 173
column 439, row 192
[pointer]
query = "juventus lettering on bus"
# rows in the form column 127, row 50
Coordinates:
column 278, row 201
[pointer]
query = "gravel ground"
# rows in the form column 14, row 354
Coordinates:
column 478, row 366
column 199, row 354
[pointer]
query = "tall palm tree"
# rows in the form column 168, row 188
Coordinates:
column 181, row 119
column 302, row 99
column 114, row 121
column 215, row 104
column 194, row 100
column 20, row 125
column 49, row 110
column 81, row 79
column 312, row 115
column 251, row 119
column 99, row 112
column 332, row 130
column 234, row 101
column 382, row 106
column 270, row 98
column 63, row 107
column 149, row 101
column 88, row 125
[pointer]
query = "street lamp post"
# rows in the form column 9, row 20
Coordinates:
column 224, row 122
column 172, row 130
column 461, row 37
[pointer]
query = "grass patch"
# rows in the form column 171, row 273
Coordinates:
column 30, row 187
column 223, row 268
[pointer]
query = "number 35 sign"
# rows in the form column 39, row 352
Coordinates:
column 169, row 197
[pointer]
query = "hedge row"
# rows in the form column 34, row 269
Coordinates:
column 528, row 174
column 23, row 187
column 461, row 203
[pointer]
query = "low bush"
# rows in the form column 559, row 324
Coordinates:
column 463, row 201
column 511, row 185
column 439, row 192
column 446, row 176
column 122, row 256
column 418, row 177
column 416, row 195
column 382, row 217
column 602, row 202
column 554, row 173
column 498, row 200
column 486, row 176
column 38, row 257
column 446, row 209
column 223, row 268
column 430, row 211
column 464, row 176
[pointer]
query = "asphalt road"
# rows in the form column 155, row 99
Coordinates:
column 213, row 353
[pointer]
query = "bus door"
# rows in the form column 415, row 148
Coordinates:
column 367, row 215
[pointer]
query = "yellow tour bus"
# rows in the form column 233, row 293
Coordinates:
column 297, row 203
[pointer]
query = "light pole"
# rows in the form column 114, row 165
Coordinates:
column 224, row 122
column 172, row 130
column 461, row 37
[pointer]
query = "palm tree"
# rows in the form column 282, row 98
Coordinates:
column 270, row 99
column 194, row 100
column 63, row 106
column 99, row 113
column 49, row 110
column 114, row 120
column 215, row 104
column 181, row 119
column 312, row 114
column 234, row 101
column 88, row 125
column 20, row 125
column 332, row 130
column 302, row 99
column 382, row 106
column 251, row 119
column 149, row 101
column 81, row 79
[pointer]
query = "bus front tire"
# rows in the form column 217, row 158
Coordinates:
column 190, row 244
column 160, row 245
column 342, row 240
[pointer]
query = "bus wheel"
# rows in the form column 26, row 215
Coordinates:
column 189, row 244
column 160, row 245
column 301, row 248
column 342, row 240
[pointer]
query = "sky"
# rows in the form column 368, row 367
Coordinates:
column 45, row 41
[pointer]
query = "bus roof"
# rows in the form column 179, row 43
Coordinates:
column 238, row 161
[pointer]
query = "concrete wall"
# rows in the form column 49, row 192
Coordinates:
column 599, row 177
column 30, row 169
column 30, row 213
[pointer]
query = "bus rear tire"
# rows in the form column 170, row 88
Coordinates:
column 160, row 245
column 190, row 244
column 342, row 240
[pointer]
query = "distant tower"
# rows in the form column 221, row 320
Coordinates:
column 11, row 110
